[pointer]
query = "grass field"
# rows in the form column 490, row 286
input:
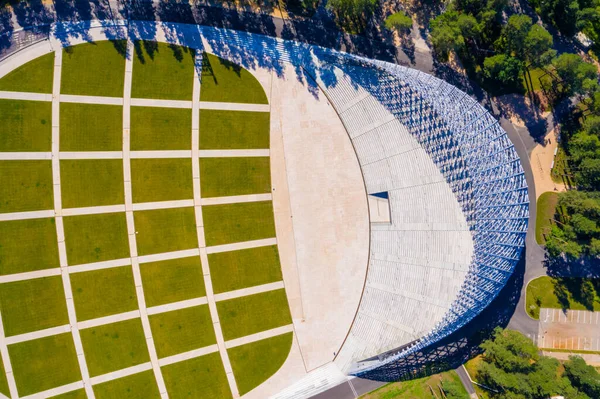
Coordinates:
column 161, row 179
column 223, row 81
column 91, row 182
column 549, row 292
column 94, row 69
column 78, row 394
column 200, row 377
column 25, row 125
column 28, row 245
column 173, row 280
column 419, row 388
column 235, row 270
column 224, row 130
column 254, row 363
column 91, row 127
column 137, row 386
column 182, row 330
column 96, row 238
column 33, row 77
column 165, row 230
column 253, row 313
column 155, row 128
column 114, row 346
column 221, row 177
column 44, row 363
column 162, row 71
column 31, row 305
column 3, row 381
column 26, row 186
column 546, row 207
column 103, row 292
column 225, row 224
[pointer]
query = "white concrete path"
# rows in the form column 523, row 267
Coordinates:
column 147, row 102
column 161, row 154
column 186, row 253
column 26, row 215
column 180, row 357
column 93, row 210
column 107, row 264
column 14, row 95
column 241, row 245
column 60, row 232
column 9, row 278
column 17, row 156
column 121, row 373
column 48, row 332
column 137, row 277
column 235, row 106
column 145, row 206
column 115, row 318
column 169, row 307
column 56, row 391
column 236, row 199
column 259, row 336
column 40, row 156
column 12, row 385
column 91, row 155
column 67, row 98
column 233, row 153
column 257, row 289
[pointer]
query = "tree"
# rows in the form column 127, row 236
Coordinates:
column 446, row 35
column 587, row 293
column 560, row 13
column 594, row 248
column 583, row 226
column 583, row 376
column 398, row 21
column 514, row 34
column 538, row 46
column 504, row 69
column 352, row 15
column 574, row 73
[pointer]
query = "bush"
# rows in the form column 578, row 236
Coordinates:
column 398, row 21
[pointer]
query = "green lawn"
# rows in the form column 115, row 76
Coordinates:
column 254, row 363
column 26, row 186
column 36, row 76
column 225, row 224
column 3, row 381
column 235, row 270
column 114, row 346
column 419, row 388
column 91, row 182
column 94, row 69
column 172, row 280
column 533, row 78
column 253, row 313
column 162, row 71
column 225, row 81
column 563, row 293
column 78, row 394
column 32, row 305
column 103, row 292
column 44, row 363
column 546, row 207
column 224, row 130
column 200, row 377
column 96, row 238
column 165, row 230
column 221, row 177
column 25, row 125
column 91, row 127
column 28, row 245
column 164, row 179
column 160, row 129
column 182, row 330
column 137, row 386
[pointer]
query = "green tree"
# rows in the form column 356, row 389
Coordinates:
column 398, row 21
column 503, row 69
column 587, row 293
column 538, row 46
column 514, row 35
column 560, row 13
column 594, row 248
column 446, row 35
column 352, row 15
column 583, row 376
column 574, row 73
column 583, row 226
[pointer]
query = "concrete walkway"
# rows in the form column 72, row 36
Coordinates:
column 12, row 385
column 257, row 289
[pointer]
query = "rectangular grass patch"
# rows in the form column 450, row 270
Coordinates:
column 220, row 177
column 172, row 280
column 114, row 346
column 103, row 292
column 32, row 305
column 200, row 377
column 3, row 381
column 136, row 386
column 224, row 81
column 244, row 268
column 182, row 330
column 36, row 76
column 231, row 130
column 28, row 245
column 225, row 224
column 25, row 125
column 255, row 362
column 164, row 129
column 91, row 182
column 96, row 238
column 91, row 127
column 253, row 313
column 163, row 71
column 77, row 394
column 165, row 230
column 165, row 179
column 94, row 69
column 26, row 186
column 44, row 363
